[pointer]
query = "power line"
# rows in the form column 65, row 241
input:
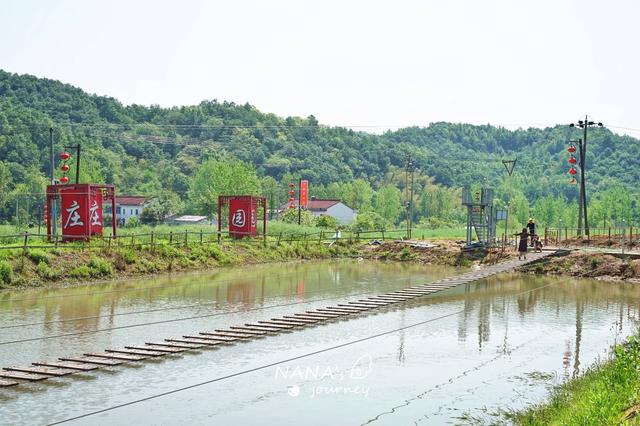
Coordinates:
column 100, row 330
column 273, row 364
column 156, row 310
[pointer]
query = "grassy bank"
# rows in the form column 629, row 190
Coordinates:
column 607, row 394
column 38, row 267
column 589, row 265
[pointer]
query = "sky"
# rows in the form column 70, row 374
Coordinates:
column 363, row 64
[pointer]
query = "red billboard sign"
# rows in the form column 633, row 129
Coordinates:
column 304, row 193
column 81, row 208
column 243, row 216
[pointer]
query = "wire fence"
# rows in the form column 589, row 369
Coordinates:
column 606, row 236
column 27, row 240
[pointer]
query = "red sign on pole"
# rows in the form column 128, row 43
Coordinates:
column 304, row 193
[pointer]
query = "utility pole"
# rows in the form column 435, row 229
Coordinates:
column 509, row 165
column 53, row 212
column 53, row 160
column 299, row 200
column 411, row 204
column 77, row 148
column 407, row 166
column 582, row 210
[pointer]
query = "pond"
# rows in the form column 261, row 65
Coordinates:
column 454, row 357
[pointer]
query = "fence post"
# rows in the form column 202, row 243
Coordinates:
column 279, row 237
column 152, row 242
column 170, row 237
column 383, row 235
column 186, row 238
column 109, row 245
column 201, row 237
column 545, row 235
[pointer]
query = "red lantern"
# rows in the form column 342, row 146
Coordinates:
column 65, row 156
column 572, row 171
column 572, row 148
column 64, row 179
column 64, row 168
column 572, row 160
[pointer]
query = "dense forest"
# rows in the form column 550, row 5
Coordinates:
column 172, row 154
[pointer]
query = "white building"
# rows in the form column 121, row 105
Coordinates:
column 329, row 207
column 128, row 206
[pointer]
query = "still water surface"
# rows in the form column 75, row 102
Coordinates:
column 495, row 344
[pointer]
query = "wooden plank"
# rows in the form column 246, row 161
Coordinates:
column 343, row 311
column 325, row 314
column 295, row 320
column 201, row 343
column 67, row 365
column 279, row 322
column 7, row 383
column 30, row 377
column 379, row 299
column 309, row 317
column 270, row 327
column 244, row 328
column 397, row 296
column 360, row 305
column 372, row 302
column 284, row 321
column 348, row 308
column 91, row 360
column 147, row 353
column 214, row 336
column 256, row 333
column 206, row 338
column 193, row 346
column 56, row 372
column 227, row 336
column 122, row 357
column 157, row 349
column 238, row 334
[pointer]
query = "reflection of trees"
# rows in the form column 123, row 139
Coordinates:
column 491, row 297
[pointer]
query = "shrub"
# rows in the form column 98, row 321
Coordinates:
column 39, row 256
column 47, row 272
column 326, row 221
column 100, row 267
column 82, row 271
column 6, row 273
column 369, row 221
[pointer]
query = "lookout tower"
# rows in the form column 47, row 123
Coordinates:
column 480, row 216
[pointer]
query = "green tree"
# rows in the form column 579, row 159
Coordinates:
column 388, row 203
column 226, row 176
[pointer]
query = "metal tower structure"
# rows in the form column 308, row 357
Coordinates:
column 481, row 216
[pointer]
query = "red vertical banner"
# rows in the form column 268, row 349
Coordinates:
column 95, row 212
column 304, row 193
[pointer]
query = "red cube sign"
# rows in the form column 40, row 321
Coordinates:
column 243, row 212
column 81, row 208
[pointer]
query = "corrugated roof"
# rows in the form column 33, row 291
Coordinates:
column 130, row 200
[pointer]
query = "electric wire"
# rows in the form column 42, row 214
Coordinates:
column 100, row 330
column 273, row 364
column 163, row 309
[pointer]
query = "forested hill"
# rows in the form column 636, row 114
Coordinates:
column 151, row 149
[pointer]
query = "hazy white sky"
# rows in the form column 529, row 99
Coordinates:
column 353, row 63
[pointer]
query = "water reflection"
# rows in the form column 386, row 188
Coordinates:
column 514, row 334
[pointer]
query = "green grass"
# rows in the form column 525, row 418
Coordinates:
column 177, row 235
column 599, row 397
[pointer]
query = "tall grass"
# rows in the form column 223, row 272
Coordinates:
column 599, row 397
